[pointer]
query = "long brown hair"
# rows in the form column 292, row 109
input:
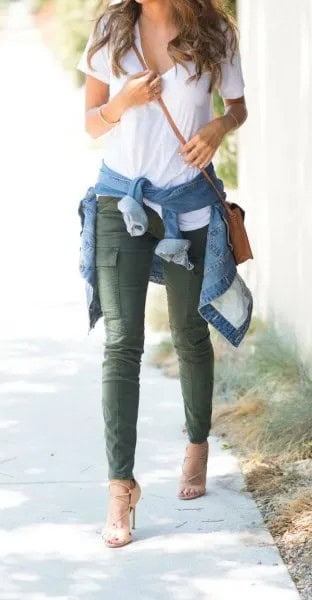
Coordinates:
column 207, row 29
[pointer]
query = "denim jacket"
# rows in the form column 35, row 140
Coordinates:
column 225, row 300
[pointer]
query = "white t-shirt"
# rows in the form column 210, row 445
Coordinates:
column 143, row 143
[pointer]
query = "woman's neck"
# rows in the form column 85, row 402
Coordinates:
column 156, row 13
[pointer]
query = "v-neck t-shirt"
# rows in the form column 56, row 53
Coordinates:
column 143, row 143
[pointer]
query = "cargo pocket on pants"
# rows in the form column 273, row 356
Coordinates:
column 108, row 281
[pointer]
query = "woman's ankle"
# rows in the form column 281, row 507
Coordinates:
column 128, row 481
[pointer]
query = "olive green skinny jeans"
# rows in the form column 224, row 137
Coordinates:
column 123, row 266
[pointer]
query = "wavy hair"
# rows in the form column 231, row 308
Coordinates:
column 208, row 33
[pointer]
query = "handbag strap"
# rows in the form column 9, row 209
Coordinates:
column 176, row 130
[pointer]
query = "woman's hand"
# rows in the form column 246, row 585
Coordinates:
column 141, row 87
column 199, row 150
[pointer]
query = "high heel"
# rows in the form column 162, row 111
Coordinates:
column 130, row 498
column 198, row 454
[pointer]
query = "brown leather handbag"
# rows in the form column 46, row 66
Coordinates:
column 235, row 215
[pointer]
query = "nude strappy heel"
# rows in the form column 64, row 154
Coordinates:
column 129, row 498
column 198, row 454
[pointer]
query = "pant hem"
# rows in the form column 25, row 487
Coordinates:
column 198, row 442
column 120, row 476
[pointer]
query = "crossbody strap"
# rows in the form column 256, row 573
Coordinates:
column 175, row 128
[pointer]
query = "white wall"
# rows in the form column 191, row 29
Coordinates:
column 275, row 164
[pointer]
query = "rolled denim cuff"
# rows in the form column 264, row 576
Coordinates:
column 172, row 250
column 134, row 216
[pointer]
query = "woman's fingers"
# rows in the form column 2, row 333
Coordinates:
column 157, row 79
column 155, row 83
column 152, row 76
column 195, row 152
column 154, row 94
column 155, row 87
column 202, row 159
column 200, row 149
column 198, row 156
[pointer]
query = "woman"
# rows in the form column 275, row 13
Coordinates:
column 190, row 48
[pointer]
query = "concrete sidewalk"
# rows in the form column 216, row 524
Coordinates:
column 53, row 493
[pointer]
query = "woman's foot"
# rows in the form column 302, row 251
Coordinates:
column 124, row 495
column 194, row 471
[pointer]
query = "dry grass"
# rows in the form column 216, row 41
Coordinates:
column 242, row 408
column 294, row 517
column 265, row 478
column 242, row 424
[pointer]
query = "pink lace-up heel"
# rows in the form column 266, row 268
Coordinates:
column 194, row 471
column 114, row 532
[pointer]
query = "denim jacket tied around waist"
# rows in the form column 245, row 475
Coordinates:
column 225, row 300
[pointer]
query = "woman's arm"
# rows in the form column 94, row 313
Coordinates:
column 235, row 114
column 97, row 94
column 200, row 149
column 139, row 88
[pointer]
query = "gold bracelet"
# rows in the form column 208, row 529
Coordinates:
column 99, row 111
